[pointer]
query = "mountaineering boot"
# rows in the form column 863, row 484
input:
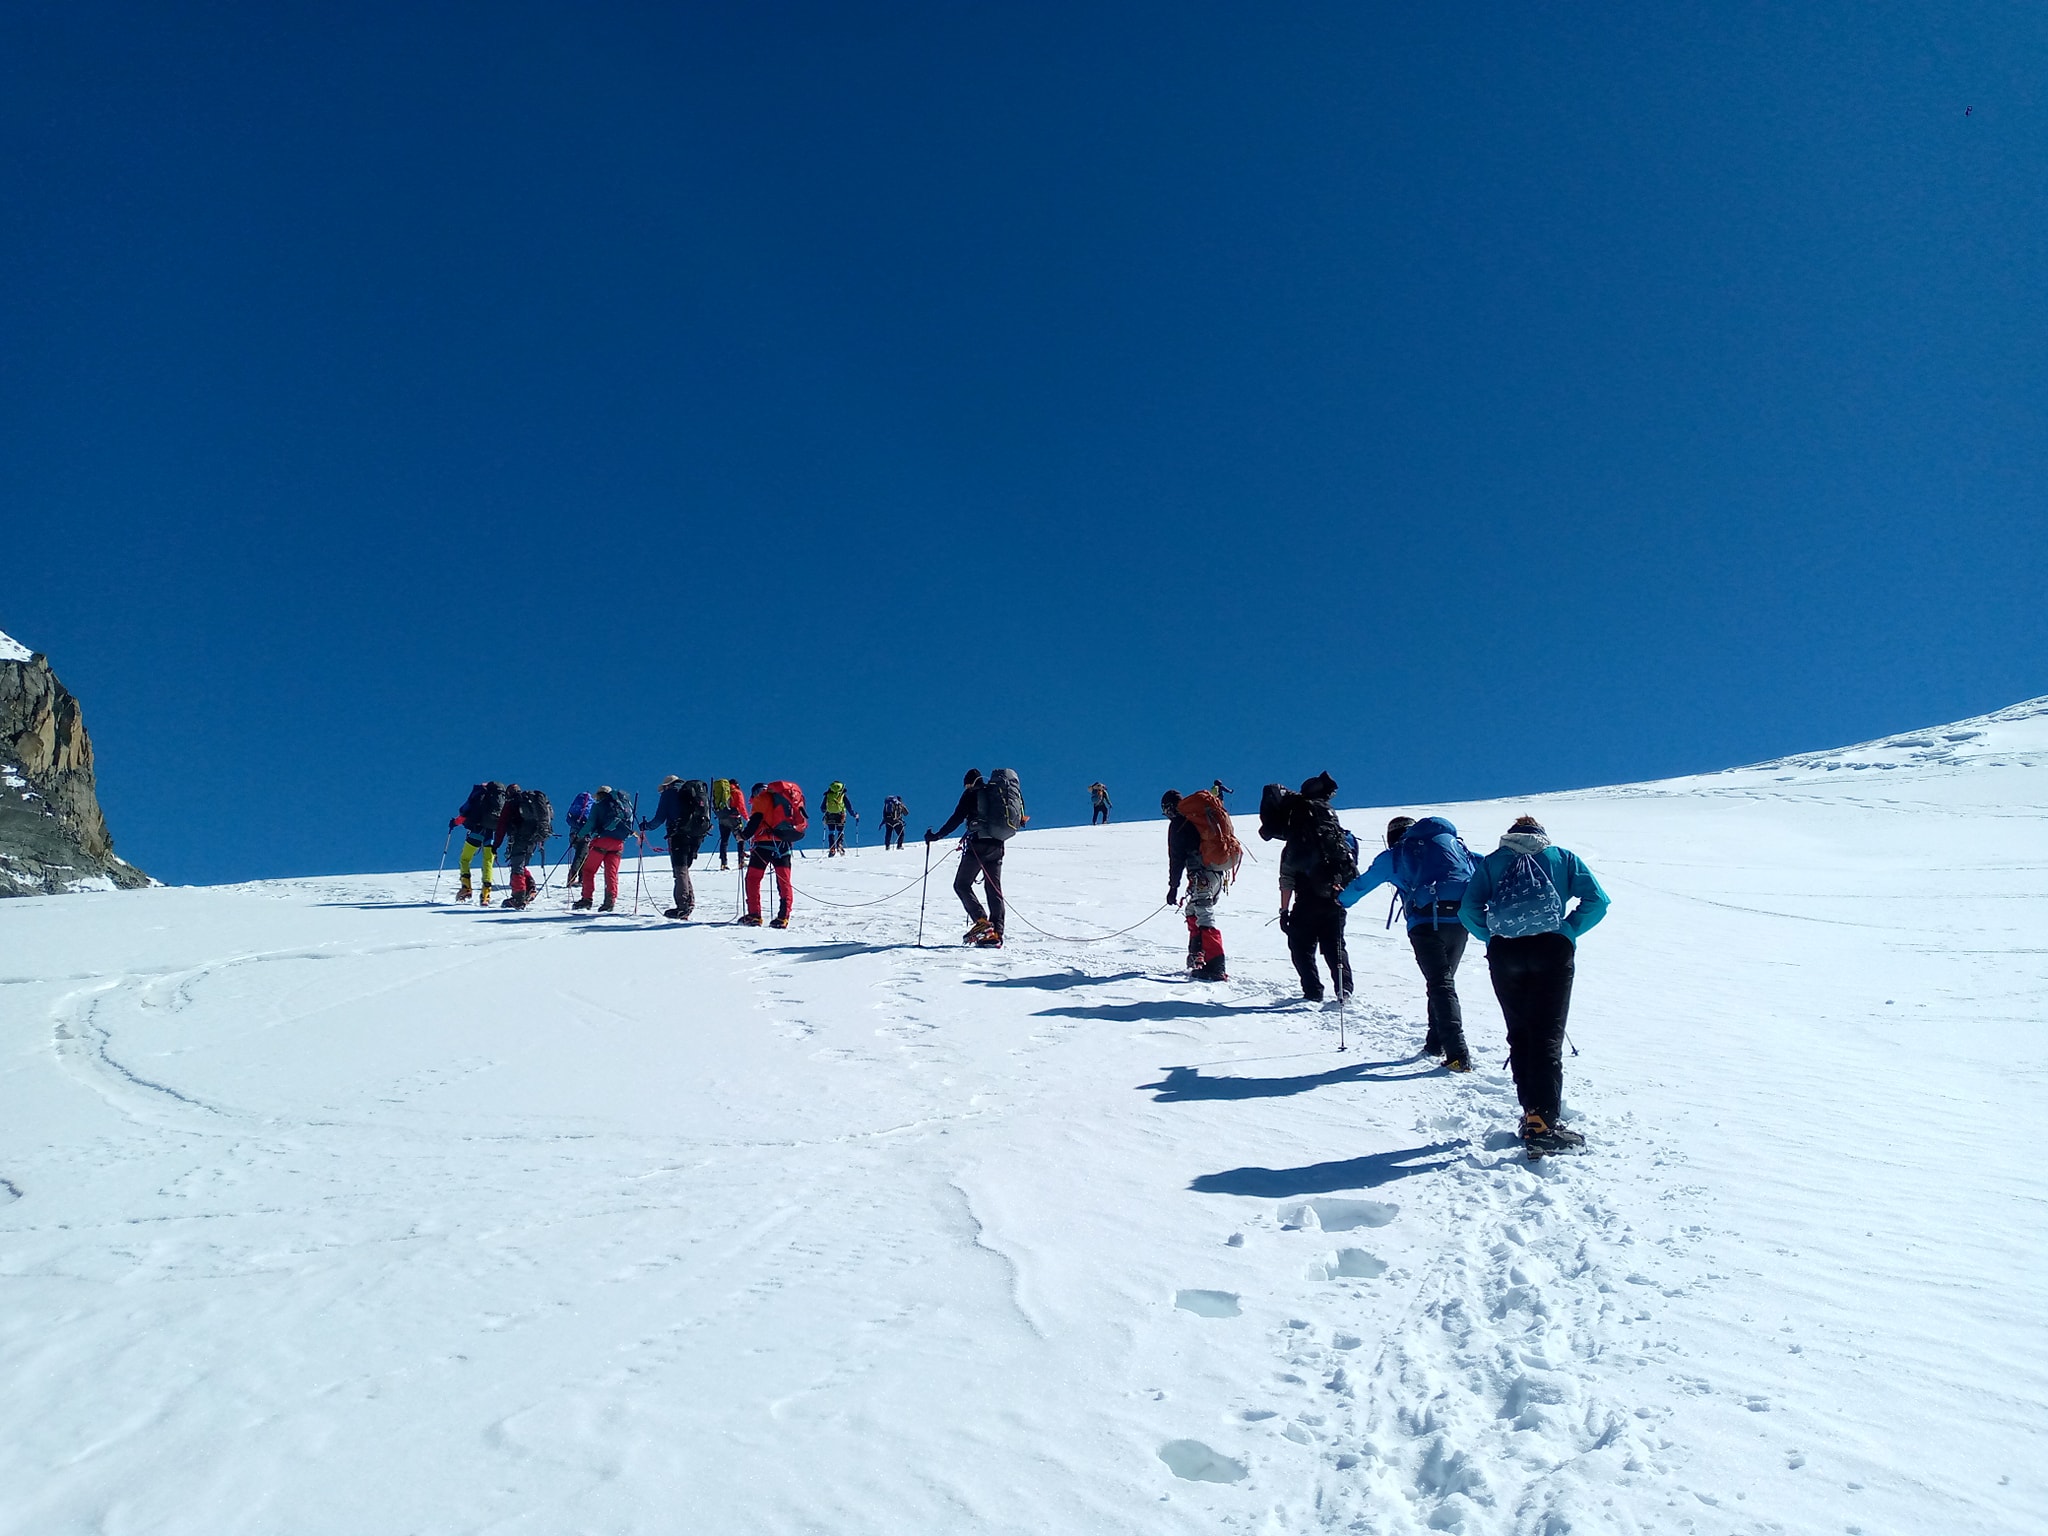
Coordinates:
column 484, row 898
column 1540, row 1136
column 580, row 905
column 675, row 913
column 780, row 920
column 1211, row 969
column 750, row 919
column 989, row 939
column 463, row 892
column 722, row 864
column 609, row 904
column 1457, row 1064
column 982, row 929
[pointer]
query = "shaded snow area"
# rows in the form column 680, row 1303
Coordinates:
column 12, row 649
column 329, row 1210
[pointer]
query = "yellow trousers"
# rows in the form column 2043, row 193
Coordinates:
column 469, row 851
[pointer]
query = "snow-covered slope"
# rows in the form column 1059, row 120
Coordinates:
column 330, row 1210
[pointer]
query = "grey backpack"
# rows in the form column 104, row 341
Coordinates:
column 999, row 805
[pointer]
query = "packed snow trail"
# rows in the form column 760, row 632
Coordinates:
column 325, row 1209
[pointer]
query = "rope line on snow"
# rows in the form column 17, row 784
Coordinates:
column 852, row 905
column 1093, row 938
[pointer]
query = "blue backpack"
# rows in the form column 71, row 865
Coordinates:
column 1431, row 864
column 1525, row 900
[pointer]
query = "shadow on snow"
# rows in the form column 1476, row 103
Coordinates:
column 1183, row 1085
column 1056, row 981
column 1368, row 1172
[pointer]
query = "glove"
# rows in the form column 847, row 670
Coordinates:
column 1286, row 921
column 930, row 836
column 454, row 822
column 1173, row 895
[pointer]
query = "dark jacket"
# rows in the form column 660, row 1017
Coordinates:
column 668, row 815
column 962, row 811
column 1183, row 849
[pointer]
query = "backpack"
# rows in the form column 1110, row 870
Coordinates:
column 1220, row 847
column 1525, row 900
column 1333, row 851
column 894, row 810
column 481, row 810
column 693, row 804
column 835, row 799
column 722, row 793
column 579, row 808
column 610, row 816
column 536, row 816
column 781, row 805
column 1276, row 812
column 999, row 806
column 1431, row 864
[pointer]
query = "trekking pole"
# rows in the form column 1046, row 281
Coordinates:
column 1343, row 1004
column 438, row 873
column 640, row 870
column 1568, row 1041
column 921, row 885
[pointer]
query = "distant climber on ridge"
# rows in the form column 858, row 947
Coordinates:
column 730, row 806
column 1098, row 803
column 894, row 814
column 837, row 808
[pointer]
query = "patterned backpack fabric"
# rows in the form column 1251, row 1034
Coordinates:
column 693, row 799
column 1525, row 901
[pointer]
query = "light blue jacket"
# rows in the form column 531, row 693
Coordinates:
column 1567, row 873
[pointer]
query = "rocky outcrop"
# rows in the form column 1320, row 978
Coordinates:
column 53, row 837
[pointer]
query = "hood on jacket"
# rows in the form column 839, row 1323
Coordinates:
column 1524, row 842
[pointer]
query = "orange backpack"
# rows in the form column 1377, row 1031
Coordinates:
column 781, row 806
column 1220, row 847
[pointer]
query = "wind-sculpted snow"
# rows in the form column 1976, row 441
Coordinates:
column 325, row 1209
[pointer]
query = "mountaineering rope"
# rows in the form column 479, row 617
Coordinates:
column 828, row 902
column 1091, row 939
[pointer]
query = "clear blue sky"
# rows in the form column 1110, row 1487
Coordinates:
column 1466, row 399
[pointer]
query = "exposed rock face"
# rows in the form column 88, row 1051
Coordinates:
column 52, row 835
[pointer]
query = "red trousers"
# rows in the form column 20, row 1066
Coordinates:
column 757, row 864
column 605, row 851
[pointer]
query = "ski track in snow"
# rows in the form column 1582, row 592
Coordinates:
column 325, row 1209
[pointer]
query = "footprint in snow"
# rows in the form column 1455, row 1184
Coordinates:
column 1337, row 1215
column 1196, row 1462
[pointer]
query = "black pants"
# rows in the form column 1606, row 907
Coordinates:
column 983, row 856
column 682, row 853
column 1438, row 949
column 579, row 845
column 1532, row 977
column 728, row 832
column 835, row 832
column 892, row 829
column 1100, row 815
column 1318, row 925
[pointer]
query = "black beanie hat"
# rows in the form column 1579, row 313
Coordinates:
column 1398, row 829
column 973, row 777
column 1170, row 801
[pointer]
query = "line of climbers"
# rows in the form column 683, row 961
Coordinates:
column 1528, row 901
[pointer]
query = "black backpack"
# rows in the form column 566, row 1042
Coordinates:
column 693, row 796
column 1277, row 806
column 536, row 815
column 481, row 810
column 1334, row 852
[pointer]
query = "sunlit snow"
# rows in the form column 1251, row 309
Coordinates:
column 327, row 1209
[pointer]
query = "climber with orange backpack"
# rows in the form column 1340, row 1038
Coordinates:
column 777, row 825
column 1201, row 843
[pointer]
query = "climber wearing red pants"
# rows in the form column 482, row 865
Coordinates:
column 776, row 825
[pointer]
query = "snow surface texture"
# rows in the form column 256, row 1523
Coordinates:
column 12, row 649
column 323, row 1209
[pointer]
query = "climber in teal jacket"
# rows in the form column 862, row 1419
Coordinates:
column 1569, row 877
column 1520, row 903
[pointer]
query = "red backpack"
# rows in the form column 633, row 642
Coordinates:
column 781, row 807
